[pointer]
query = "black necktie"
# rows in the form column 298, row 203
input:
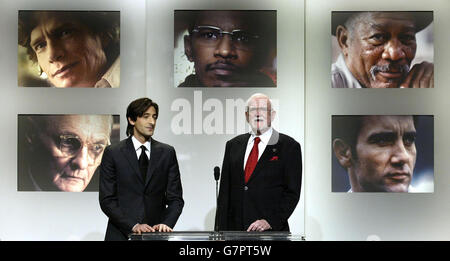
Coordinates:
column 143, row 162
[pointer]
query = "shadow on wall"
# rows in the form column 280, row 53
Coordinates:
column 210, row 220
column 313, row 231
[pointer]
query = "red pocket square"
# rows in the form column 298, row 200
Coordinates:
column 274, row 158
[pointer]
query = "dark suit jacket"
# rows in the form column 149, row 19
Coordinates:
column 127, row 199
column 272, row 191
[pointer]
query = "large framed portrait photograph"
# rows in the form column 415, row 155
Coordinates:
column 225, row 48
column 383, row 153
column 62, row 152
column 68, row 49
column 382, row 49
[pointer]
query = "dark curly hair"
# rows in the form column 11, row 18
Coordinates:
column 105, row 23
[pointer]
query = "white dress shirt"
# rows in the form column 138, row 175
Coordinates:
column 265, row 137
column 341, row 77
column 137, row 147
column 111, row 79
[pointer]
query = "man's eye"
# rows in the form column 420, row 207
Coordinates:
column 69, row 145
column 409, row 140
column 209, row 35
column 408, row 38
column 382, row 139
column 65, row 32
column 98, row 148
column 70, row 142
column 242, row 37
column 383, row 142
column 39, row 46
column 378, row 38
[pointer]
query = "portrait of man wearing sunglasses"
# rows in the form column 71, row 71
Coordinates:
column 230, row 48
column 62, row 152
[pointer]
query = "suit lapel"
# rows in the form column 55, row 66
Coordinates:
column 130, row 155
column 270, row 151
column 155, row 155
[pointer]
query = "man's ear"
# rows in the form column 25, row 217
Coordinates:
column 188, row 48
column 343, row 153
column 342, row 37
column 131, row 121
column 273, row 114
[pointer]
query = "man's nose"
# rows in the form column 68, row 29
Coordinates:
column 394, row 50
column 55, row 50
column 82, row 159
column 225, row 47
column 400, row 154
column 151, row 120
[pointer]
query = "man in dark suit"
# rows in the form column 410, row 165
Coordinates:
column 136, row 193
column 261, row 175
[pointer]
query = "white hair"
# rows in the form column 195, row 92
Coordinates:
column 257, row 95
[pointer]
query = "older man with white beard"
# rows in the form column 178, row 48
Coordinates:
column 261, row 175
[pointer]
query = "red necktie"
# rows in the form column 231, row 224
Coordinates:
column 252, row 159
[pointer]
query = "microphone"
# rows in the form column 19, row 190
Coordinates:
column 216, row 177
column 216, row 173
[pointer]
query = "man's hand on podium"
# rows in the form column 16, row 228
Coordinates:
column 259, row 225
column 162, row 228
column 142, row 228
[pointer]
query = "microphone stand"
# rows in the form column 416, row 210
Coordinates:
column 216, row 177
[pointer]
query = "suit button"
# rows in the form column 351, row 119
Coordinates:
column 245, row 188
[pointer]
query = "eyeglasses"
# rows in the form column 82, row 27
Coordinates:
column 210, row 36
column 258, row 109
column 70, row 146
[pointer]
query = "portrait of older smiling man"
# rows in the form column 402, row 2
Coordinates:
column 229, row 48
column 381, row 153
column 71, row 48
column 378, row 48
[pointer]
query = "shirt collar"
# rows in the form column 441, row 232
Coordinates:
column 350, row 80
column 137, row 144
column 112, row 77
column 265, row 137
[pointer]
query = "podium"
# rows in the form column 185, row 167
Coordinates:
column 216, row 236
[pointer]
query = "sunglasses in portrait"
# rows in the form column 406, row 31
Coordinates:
column 210, row 35
column 70, row 145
